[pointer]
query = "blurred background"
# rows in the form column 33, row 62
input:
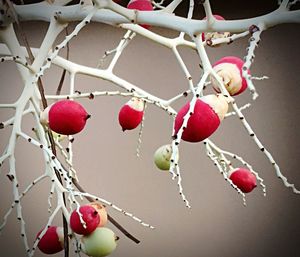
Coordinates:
column 217, row 225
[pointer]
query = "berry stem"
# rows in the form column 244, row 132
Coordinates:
column 88, row 116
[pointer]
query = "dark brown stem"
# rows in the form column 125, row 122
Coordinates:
column 113, row 221
column 62, row 78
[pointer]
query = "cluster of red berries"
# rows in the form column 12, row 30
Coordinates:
column 68, row 117
column 207, row 115
column 89, row 222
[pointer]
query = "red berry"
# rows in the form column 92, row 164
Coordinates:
column 201, row 124
column 131, row 114
column 141, row 5
column 90, row 216
column 230, row 69
column 243, row 179
column 52, row 241
column 67, row 117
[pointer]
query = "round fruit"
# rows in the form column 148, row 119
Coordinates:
column 102, row 213
column 162, row 157
column 52, row 241
column 202, row 122
column 131, row 114
column 67, row 117
column 90, row 216
column 100, row 243
column 141, row 5
column 243, row 179
column 229, row 68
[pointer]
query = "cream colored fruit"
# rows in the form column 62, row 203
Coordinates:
column 44, row 116
column 102, row 212
column 218, row 103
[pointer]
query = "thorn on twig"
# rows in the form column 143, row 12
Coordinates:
column 253, row 28
column 10, row 177
column 230, row 41
column 91, row 96
column 209, row 42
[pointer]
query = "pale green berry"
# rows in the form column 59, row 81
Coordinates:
column 162, row 157
column 101, row 242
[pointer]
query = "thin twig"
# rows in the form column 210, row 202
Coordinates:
column 113, row 221
column 62, row 78
column 44, row 102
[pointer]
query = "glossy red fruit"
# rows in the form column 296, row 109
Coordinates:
column 131, row 114
column 52, row 241
column 201, row 124
column 243, row 179
column 141, row 5
column 90, row 216
column 230, row 70
column 67, row 117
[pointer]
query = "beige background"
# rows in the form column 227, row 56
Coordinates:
column 218, row 225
